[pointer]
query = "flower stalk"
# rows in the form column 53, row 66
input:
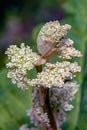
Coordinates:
column 45, row 103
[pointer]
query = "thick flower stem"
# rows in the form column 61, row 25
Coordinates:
column 45, row 102
column 48, row 109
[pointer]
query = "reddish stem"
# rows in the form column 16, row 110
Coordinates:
column 45, row 103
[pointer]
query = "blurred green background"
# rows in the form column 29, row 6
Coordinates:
column 20, row 21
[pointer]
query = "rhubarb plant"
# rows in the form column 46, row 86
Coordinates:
column 55, row 84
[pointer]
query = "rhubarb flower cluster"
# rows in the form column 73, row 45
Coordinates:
column 54, row 75
column 21, row 60
column 54, row 86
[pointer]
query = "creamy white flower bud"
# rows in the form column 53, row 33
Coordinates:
column 21, row 60
column 25, row 127
column 54, row 75
column 49, row 35
column 66, row 50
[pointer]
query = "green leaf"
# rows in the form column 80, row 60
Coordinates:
column 76, row 16
column 13, row 104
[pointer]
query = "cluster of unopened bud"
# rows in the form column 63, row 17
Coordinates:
column 58, row 78
column 21, row 60
column 54, row 75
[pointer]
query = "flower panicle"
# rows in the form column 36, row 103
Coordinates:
column 21, row 60
column 55, row 75
column 54, row 87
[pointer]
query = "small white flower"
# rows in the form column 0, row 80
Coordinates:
column 24, row 127
column 61, row 97
column 66, row 50
column 49, row 35
column 54, row 75
column 21, row 60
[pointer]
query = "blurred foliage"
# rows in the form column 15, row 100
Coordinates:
column 13, row 104
column 76, row 13
column 13, row 101
column 28, row 9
